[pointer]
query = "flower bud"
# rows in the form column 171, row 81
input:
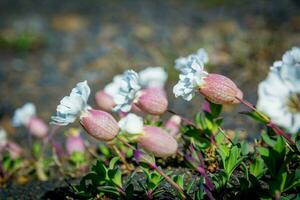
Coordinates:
column 173, row 125
column 206, row 106
column 99, row 124
column 153, row 101
column 220, row 90
column 104, row 101
column 74, row 142
column 157, row 141
column 37, row 127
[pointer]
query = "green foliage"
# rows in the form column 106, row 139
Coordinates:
column 231, row 158
column 103, row 180
column 153, row 180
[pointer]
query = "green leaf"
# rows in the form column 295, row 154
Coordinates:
column 104, row 150
column 257, row 167
column 179, row 180
column 115, row 176
column 215, row 109
column 113, row 162
column 36, row 149
column 109, row 190
column 266, row 138
column 100, row 169
column 257, row 116
column 292, row 181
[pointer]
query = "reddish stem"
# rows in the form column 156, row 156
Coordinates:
column 270, row 124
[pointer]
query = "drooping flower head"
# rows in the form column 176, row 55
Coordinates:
column 279, row 93
column 23, row 115
column 72, row 106
column 127, row 93
column 150, row 100
column 182, row 62
column 97, row 123
column 153, row 77
column 216, row 88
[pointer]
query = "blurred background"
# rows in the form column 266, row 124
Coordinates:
column 47, row 46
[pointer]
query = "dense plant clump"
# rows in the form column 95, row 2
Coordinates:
column 140, row 156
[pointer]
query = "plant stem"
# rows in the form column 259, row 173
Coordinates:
column 270, row 124
column 167, row 178
column 122, row 157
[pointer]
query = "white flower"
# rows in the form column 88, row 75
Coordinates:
column 279, row 93
column 113, row 88
column 24, row 114
column 182, row 62
column 191, row 78
column 289, row 67
column 127, row 92
column 132, row 124
column 153, row 77
column 71, row 106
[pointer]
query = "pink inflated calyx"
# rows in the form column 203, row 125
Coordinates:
column 37, row 127
column 99, row 124
column 153, row 101
column 220, row 90
column 157, row 141
column 74, row 143
column 104, row 101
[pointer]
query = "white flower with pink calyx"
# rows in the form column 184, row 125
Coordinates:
column 216, row 88
column 26, row 116
column 153, row 77
column 150, row 100
column 279, row 93
column 201, row 54
column 23, row 115
column 97, row 123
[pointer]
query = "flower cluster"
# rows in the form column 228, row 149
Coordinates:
column 279, row 93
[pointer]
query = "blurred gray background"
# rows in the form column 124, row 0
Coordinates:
column 47, row 46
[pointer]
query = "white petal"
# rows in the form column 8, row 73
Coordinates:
column 132, row 124
column 71, row 106
column 22, row 115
